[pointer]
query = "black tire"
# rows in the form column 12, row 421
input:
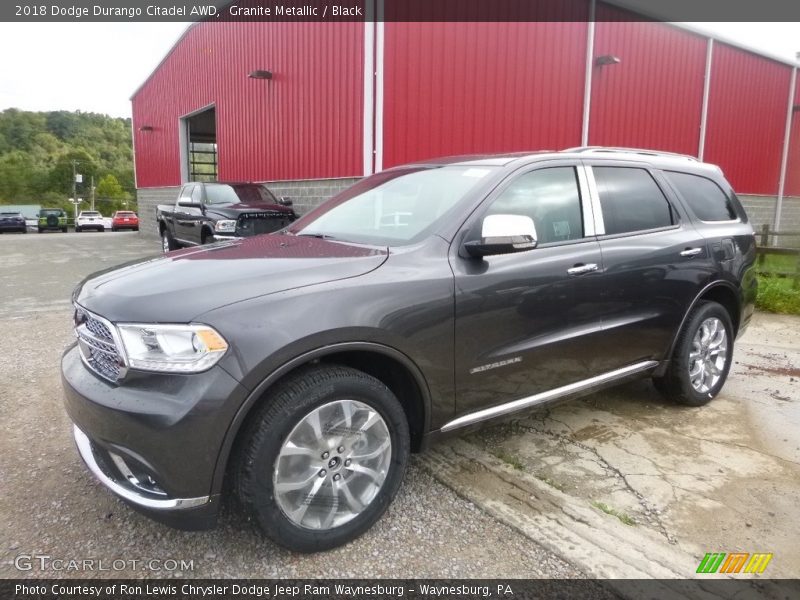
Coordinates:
column 168, row 243
column 77, row 230
column 290, row 402
column 113, row 229
column 63, row 230
column 676, row 384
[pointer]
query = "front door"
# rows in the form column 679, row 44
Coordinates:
column 531, row 321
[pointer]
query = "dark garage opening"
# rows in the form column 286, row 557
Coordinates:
column 201, row 137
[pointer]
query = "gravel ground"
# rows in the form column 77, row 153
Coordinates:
column 51, row 506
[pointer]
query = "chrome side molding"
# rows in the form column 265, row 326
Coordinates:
column 541, row 398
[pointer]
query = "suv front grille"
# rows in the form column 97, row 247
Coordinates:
column 98, row 346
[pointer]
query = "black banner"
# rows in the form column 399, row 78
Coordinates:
column 398, row 10
column 745, row 588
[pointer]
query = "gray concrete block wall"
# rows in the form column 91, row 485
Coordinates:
column 148, row 199
column 307, row 195
column 761, row 210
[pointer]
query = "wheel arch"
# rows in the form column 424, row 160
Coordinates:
column 723, row 293
column 392, row 367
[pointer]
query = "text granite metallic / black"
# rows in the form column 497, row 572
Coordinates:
column 431, row 297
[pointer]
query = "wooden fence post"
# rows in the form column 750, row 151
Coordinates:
column 764, row 243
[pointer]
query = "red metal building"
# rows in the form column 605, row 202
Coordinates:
column 312, row 106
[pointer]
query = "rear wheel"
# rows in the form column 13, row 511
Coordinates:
column 702, row 357
column 323, row 459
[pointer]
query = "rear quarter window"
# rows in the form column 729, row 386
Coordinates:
column 705, row 198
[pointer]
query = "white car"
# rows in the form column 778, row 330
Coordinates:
column 89, row 219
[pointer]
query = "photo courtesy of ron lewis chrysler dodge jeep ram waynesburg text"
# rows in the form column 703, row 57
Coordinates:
column 301, row 367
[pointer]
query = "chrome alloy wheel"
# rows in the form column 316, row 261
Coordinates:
column 332, row 464
column 708, row 355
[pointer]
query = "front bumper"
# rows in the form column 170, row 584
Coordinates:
column 154, row 441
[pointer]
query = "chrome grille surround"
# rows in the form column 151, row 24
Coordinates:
column 100, row 347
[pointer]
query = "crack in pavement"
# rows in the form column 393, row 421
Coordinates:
column 651, row 512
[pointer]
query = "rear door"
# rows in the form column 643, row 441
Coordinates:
column 654, row 260
column 529, row 322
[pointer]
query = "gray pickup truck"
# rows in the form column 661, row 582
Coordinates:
column 210, row 212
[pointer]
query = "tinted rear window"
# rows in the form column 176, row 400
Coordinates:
column 631, row 200
column 706, row 199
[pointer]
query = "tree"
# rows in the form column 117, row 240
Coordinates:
column 109, row 187
column 61, row 174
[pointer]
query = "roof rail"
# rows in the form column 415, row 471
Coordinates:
column 641, row 151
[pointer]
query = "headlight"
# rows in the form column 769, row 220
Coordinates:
column 172, row 348
column 225, row 226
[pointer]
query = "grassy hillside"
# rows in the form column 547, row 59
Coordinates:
column 36, row 150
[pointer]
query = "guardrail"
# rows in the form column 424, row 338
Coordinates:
column 764, row 249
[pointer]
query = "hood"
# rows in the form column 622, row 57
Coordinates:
column 178, row 287
column 234, row 210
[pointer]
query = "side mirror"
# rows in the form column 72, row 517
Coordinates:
column 189, row 204
column 503, row 234
column 285, row 201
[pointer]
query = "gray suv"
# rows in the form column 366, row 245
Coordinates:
column 297, row 370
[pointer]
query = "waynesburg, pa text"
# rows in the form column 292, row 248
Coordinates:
column 273, row 590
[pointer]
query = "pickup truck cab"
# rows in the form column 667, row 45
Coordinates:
column 301, row 368
column 210, row 212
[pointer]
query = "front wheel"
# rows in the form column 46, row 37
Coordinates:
column 702, row 357
column 167, row 242
column 323, row 459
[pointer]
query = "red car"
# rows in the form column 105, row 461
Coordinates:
column 125, row 219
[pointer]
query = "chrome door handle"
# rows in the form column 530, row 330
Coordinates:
column 580, row 269
column 691, row 252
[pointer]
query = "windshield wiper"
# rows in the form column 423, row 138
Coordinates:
column 321, row 236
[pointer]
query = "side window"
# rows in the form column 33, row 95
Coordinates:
column 186, row 193
column 631, row 200
column 197, row 194
column 548, row 196
column 707, row 201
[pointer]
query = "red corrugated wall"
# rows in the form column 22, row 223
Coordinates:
column 457, row 88
column 793, row 166
column 747, row 118
column 304, row 124
column 653, row 97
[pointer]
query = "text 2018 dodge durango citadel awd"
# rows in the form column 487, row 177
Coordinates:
column 297, row 370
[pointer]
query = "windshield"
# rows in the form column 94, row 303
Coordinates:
column 88, row 213
column 392, row 208
column 10, row 214
column 56, row 212
column 125, row 214
column 222, row 193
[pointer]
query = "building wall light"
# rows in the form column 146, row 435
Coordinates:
column 606, row 59
column 259, row 74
